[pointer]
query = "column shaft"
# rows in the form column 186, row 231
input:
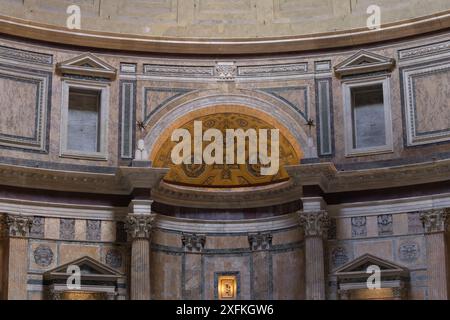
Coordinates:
column 315, row 226
column 139, row 228
column 261, row 275
column 15, row 231
column 140, row 270
column 192, row 265
column 17, row 269
column 435, row 223
column 437, row 266
column 315, row 271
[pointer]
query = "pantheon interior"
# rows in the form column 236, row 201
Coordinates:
column 92, row 207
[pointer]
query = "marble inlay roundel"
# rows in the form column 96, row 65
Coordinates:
column 43, row 256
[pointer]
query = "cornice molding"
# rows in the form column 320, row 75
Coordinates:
column 126, row 179
column 123, row 181
column 127, row 42
column 331, row 180
column 249, row 197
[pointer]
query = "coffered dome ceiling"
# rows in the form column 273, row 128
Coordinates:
column 220, row 18
column 221, row 26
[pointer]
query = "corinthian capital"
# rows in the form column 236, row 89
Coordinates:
column 260, row 241
column 435, row 220
column 140, row 226
column 15, row 226
column 193, row 242
column 314, row 223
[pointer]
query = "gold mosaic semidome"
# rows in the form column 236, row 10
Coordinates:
column 223, row 175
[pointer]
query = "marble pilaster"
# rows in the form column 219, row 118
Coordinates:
column 139, row 228
column 16, row 230
column 193, row 245
column 435, row 227
column 315, row 225
column 260, row 244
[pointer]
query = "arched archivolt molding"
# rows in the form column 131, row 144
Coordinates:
column 201, row 103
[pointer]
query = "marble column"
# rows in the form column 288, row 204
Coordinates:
column 139, row 227
column 435, row 226
column 315, row 226
column 15, row 234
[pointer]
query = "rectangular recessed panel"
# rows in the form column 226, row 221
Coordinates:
column 426, row 92
column 24, row 108
column 368, row 115
column 305, row 10
column 127, row 119
column 162, row 11
column 83, row 121
column 324, row 116
column 225, row 12
column 18, row 107
column 432, row 93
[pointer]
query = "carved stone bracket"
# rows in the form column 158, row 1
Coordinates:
column 226, row 70
column 435, row 220
column 260, row 241
column 140, row 226
column 315, row 223
column 193, row 242
column 15, row 226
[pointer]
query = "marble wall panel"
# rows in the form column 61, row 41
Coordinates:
column 70, row 252
column 43, row 256
column 166, row 238
column 288, row 275
column 165, row 276
column 381, row 249
column 18, row 110
column 219, row 242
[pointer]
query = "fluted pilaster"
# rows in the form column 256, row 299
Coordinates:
column 315, row 226
column 435, row 226
column 139, row 228
column 15, row 232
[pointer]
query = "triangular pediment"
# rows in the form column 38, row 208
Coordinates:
column 88, row 267
column 360, row 265
column 87, row 64
column 364, row 62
